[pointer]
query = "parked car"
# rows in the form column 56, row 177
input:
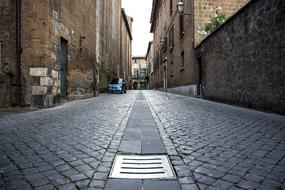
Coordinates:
column 117, row 85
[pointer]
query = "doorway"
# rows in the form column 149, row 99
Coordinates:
column 199, row 85
column 165, row 76
column 63, row 66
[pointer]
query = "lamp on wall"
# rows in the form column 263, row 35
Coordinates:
column 181, row 6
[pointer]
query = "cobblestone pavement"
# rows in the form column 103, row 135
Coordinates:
column 67, row 147
column 223, row 147
column 210, row 145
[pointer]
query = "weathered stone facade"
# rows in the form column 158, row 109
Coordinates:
column 243, row 61
column 174, row 67
column 126, row 49
column 69, row 49
column 111, row 37
column 8, row 90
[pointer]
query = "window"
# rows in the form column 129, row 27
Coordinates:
column 181, row 25
column 135, row 73
column 171, row 69
column 182, row 59
column 170, row 7
column 165, row 45
column 171, row 38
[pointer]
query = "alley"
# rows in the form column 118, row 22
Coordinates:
column 210, row 145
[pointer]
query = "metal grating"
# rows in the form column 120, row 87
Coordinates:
column 142, row 167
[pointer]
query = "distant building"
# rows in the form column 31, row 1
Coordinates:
column 139, row 73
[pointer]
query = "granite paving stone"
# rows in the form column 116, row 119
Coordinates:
column 61, row 147
column 123, row 184
column 237, row 148
column 163, row 185
column 211, row 145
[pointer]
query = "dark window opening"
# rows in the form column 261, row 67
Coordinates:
column 171, row 38
column 171, row 69
column 170, row 7
column 181, row 25
column 182, row 59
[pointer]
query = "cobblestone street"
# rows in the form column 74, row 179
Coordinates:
column 62, row 147
column 210, row 145
column 224, row 147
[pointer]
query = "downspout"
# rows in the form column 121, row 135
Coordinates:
column 192, row 4
column 18, row 51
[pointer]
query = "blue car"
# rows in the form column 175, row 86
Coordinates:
column 117, row 85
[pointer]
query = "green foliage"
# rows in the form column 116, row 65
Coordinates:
column 216, row 20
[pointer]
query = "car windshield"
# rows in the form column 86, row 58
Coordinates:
column 116, row 81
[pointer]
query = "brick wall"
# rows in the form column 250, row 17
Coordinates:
column 204, row 9
column 169, row 72
column 243, row 61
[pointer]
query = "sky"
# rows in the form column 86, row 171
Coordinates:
column 140, row 10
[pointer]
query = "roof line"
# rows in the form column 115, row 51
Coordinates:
column 126, row 23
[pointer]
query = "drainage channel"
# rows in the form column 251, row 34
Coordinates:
column 142, row 162
column 142, row 167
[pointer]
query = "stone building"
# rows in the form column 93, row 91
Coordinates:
column 139, row 73
column 149, row 63
column 174, row 37
column 243, row 62
column 125, row 69
column 61, row 49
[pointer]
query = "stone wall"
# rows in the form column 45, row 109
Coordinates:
column 8, row 90
column 243, row 61
column 91, row 29
column 44, row 23
column 125, row 50
column 101, row 46
column 78, row 21
column 113, row 18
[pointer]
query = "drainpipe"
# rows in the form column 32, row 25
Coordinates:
column 18, row 50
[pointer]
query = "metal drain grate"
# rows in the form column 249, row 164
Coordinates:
column 142, row 167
